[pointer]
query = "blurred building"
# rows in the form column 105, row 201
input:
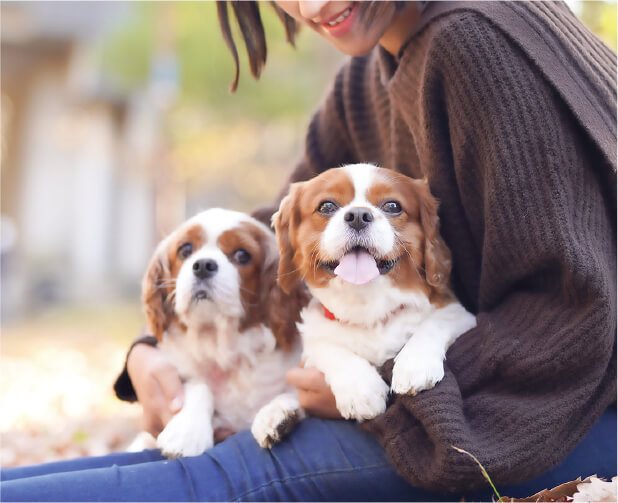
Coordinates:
column 96, row 172
column 78, row 196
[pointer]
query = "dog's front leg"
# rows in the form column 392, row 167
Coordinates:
column 360, row 393
column 419, row 365
column 190, row 432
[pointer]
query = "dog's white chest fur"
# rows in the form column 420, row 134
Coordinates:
column 229, row 377
column 363, row 325
column 348, row 351
column 242, row 370
column 349, row 356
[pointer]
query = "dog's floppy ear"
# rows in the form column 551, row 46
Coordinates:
column 285, row 221
column 154, row 294
column 437, row 256
column 282, row 309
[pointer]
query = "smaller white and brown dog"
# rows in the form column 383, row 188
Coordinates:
column 211, row 299
column 366, row 242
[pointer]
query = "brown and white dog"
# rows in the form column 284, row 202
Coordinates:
column 366, row 242
column 211, row 299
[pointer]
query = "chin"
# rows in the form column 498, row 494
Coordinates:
column 211, row 299
column 366, row 243
column 360, row 42
column 355, row 48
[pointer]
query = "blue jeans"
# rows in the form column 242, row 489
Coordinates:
column 320, row 461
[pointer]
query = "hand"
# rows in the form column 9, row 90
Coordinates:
column 157, row 386
column 314, row 395
column 222, row 433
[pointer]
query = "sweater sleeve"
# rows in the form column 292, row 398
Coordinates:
column 327, row 144
column 522, row 388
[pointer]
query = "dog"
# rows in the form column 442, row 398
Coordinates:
column 211, row 299
column 366, row 242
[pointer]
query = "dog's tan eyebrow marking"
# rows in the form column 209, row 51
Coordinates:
column 333, row 184
column 378, row 192
column 194, row 234
column 393, row 186
column 244, row 234
column 254, row 276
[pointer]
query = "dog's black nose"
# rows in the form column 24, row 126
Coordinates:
column 205, row 268
column 358, row 218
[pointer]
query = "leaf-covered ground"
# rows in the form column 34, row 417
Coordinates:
column 56, row 393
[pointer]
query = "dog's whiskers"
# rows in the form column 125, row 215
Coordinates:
column 166, row 281
column 314, row 257
column 171, row 298
column 288, row 273
column 404, row 247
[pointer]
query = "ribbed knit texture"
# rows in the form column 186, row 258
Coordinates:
column 509, row 110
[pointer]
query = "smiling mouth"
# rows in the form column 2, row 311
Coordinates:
column 341, row 17
column 384, row 265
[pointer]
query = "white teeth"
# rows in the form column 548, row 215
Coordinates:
column 345, row 14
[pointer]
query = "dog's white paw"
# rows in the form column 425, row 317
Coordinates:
column 185, row 436
column 275, row 420
column 142, row 441
column 360, row 398
column 413, row 373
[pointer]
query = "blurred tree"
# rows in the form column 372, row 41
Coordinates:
column 291, row 83
column 214, row 148
column 125, row 54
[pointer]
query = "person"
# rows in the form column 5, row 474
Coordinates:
column 509, row 110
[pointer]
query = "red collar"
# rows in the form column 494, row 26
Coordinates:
column 330, row 316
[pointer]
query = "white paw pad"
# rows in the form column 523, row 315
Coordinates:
column 275, row 420
column 184, row 437
column 412, row 375
column 362, row 399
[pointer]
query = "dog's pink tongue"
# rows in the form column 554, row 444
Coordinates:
column 358, row 268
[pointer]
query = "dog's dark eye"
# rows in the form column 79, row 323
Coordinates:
column 241, row 256
column 391, row 207
column 184, row 250
column 327, row 208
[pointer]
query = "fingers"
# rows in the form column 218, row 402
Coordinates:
column 222, row 433
column 171, row 387
column 156, row 412
column 314, row 394
column 308, row 378
column 151, row 422
column 157, row 385
column 319, row 404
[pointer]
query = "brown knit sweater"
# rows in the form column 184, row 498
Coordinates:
column 509, row 109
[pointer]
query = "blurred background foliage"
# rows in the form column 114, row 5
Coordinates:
column 600, row 17
column 190, row 30
column 241, row 143
column 117, row 124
